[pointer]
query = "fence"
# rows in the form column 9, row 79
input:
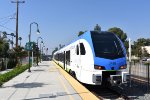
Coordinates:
column 11, row 63
column 140, row 72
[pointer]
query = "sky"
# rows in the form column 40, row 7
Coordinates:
column 60, row 20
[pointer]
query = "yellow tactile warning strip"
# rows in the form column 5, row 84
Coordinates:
column 81, row 90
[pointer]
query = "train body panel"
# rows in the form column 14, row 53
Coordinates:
column 94, row 58
column 110, row 64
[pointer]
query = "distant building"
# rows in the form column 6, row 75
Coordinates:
column 47, row 57
column 147, row 48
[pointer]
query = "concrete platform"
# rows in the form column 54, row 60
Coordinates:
column 47, row 82
column 44, row 82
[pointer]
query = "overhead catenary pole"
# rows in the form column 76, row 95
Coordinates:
column 17, row 4
column 129, row 50
column 130, row 59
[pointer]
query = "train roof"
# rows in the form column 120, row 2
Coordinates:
column 87, row 36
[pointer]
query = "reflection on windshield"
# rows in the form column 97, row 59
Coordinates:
column 106, row 45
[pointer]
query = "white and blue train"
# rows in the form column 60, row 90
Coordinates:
column 95, row 58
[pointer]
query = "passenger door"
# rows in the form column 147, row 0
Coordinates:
column 83, row 58
column 78, row 61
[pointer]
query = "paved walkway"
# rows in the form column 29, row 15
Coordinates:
column 44, row 82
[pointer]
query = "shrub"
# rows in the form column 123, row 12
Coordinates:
column 11, row 63
column 11, row 74
column 147, row 63
column 1, row 83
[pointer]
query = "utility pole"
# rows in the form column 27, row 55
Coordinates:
column 17, row 2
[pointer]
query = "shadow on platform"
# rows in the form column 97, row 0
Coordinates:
column 27, row 85
column 54, row 95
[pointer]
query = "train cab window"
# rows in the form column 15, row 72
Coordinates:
column 82, row 49
column 77, row 50
column 107, row 45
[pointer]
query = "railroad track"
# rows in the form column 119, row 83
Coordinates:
column 107, row 93
column 119, row 92
column 139, row 78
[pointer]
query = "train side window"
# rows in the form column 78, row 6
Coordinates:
column 82, row 49
column 58, row 57
column 77, row 50
column 68, row 57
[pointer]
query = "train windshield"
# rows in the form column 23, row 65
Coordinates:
column 106, row 45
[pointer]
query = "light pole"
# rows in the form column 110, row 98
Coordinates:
column 11, row 42
column 42, row 49
column 30, row 41
column 20, row 38
column 13, row 35
column 38, row 49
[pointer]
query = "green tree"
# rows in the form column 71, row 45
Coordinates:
column 137, row 47
column 35, row 49
column 20, row 53
column 4, row 47
column 143, row 42
column 119, row 32
column 137, row 51
column 4, row 34
column 80, row 33
column 97, row 28
column 61, row 46
column 145, row 53
column 2, row 42
column 12, row 60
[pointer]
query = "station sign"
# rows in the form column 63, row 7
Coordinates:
column 29, row 46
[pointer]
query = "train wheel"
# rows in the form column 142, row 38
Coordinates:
column 72, row 73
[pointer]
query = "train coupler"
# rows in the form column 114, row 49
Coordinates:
column 115, row 80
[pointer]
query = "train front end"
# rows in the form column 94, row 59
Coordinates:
column 110, row 67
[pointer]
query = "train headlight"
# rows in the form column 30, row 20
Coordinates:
column 99, row 67
column 123, row 67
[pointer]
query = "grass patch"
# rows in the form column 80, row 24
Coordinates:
column 11, row 74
